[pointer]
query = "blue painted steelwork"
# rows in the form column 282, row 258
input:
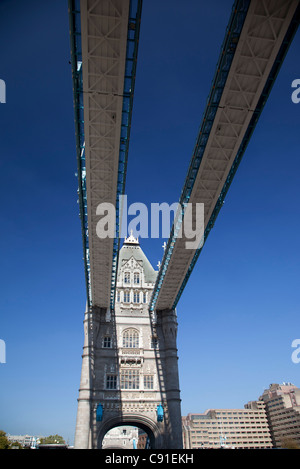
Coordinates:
column 160, row 413
column 135, row 10
column 234, row 28
column 99, row 413
column 233, row 31
column 76, row 61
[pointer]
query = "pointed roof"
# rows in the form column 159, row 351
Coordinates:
column 131, row 248
column 131, row 239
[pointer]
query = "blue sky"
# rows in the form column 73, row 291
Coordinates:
column 240, row 310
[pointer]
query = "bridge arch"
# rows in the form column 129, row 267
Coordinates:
column 133, row 420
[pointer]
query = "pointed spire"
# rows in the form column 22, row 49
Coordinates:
column 131, row 239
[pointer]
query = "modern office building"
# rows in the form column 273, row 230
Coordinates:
column 283, row 412
column 273, row 421
column 228, row 428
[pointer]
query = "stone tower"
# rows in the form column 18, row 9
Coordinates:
column 129, row 363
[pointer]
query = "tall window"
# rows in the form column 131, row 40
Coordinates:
column 126, row 297
column 154, row 342
column 118, row 296
column 130, row 379
column 107, row 342
column 136, row 278
column 148, row 381
column 111, row 381
column 130, row 338
column 144, row 297
column 136, row 297
column 127, row 277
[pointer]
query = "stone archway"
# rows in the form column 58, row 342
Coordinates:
column 142, row 422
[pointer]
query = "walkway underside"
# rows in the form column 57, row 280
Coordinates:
column 104, row 38
column 258, row 36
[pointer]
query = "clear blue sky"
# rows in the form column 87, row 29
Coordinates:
column 240, row 310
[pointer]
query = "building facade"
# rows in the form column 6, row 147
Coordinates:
column 283, row 411
column 228, row 428
column 27, row 441
column 124, row 437
column 129, row 365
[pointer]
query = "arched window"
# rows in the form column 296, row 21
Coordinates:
column 127, row 277
column 126, row 297
column 136, row 278
column 130, row 338
column 136, row 297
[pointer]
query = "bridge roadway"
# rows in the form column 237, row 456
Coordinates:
column 104, row 44
column 257, row 38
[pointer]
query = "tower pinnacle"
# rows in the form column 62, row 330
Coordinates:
column 131, row 239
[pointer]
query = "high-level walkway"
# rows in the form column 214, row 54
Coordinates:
column 104, row 45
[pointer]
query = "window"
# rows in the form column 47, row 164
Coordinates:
column 111, row 381
column 154, row 342
column 118, row 296
column 136, row 278
column 144, row 297
column 148, row 381
column 107, row 342
column 131, row 338
column 126, row 277
column 126, row 297
column 136, row 297
column 130, row 379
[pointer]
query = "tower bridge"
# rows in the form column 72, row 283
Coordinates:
column 129, row 362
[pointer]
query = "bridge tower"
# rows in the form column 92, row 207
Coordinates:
column 130, row 363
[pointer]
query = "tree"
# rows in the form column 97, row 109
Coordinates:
column 4, row 443
column 289, row 443
column 52, row 439
column 16, row 445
